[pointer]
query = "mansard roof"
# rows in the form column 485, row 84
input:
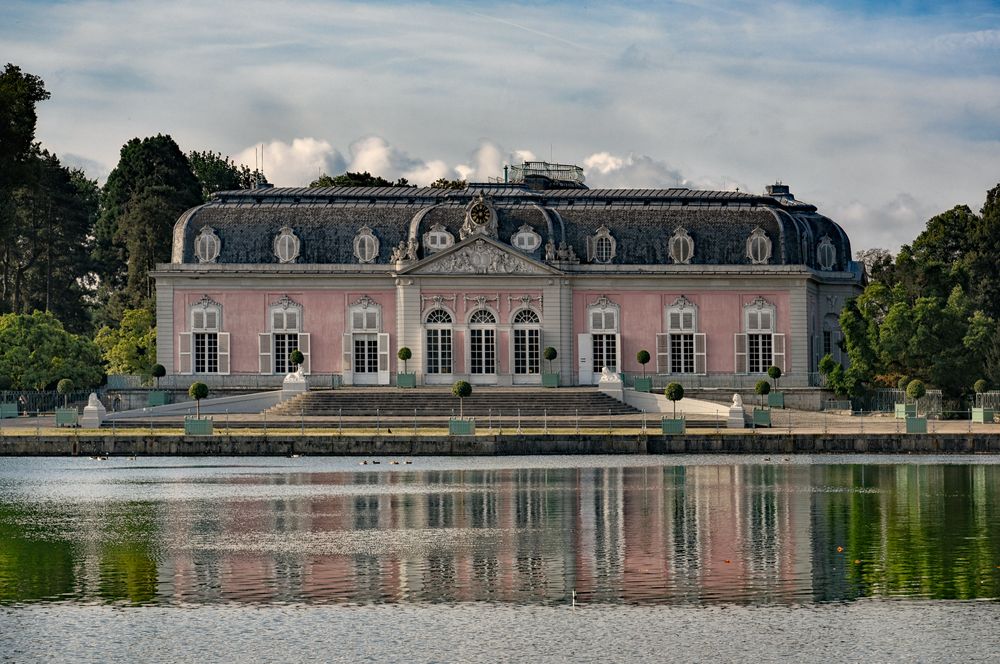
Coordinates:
column 326, row 221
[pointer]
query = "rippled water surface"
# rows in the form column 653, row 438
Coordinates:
column 502, row 537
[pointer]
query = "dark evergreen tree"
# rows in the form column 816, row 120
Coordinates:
column 218, row 173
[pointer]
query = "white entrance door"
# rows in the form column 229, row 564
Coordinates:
column 365, row 359
column 483, row 356
column 605, row 354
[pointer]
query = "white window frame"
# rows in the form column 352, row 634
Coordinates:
column 284, row 317
column 533, row 352
column 438, row 376
column 826, row 245
column 204, row 326
column 679, row 238
column 759, row 236
column 444, row 239
column 602, row 234
column 760, row 321
column 286, row 245
column 366, row 236
column 488, row 331
column 680, row 322
column 604, row 318
column 526, row 234
column 207, row 245
column 365, row 317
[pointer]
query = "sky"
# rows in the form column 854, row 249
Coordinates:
column 880, row 113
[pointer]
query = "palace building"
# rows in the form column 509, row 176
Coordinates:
column 716, row 285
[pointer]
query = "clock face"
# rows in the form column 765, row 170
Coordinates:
column 479, row 213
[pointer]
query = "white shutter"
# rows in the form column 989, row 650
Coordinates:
column 674, row 321
column 700, row 353
column 662, row 353
column 585, row 361
column 198, row 319
column 740, row 344
column 184, row 353
column 264, row 347
column 618, row 353
column 211, row 319
column 609, row 320
column 383, row 358
column 304, row 348
column 778, row 351
column 596, row 321
column 224, row 353
column 347, row 368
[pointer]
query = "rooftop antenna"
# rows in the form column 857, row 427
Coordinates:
column 262, row 162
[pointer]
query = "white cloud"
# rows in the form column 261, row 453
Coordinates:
column 293, row 164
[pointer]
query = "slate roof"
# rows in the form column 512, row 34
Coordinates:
column 641, row 220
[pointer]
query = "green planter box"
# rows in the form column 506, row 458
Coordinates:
column 643, row 384
column 761, row 417
column 672, row 426
column 8, row 410
column 916, row 425
column 983, row 415
column 776, row 399
column 156, row 398
column 462, row 427
column 904, row 410
column 194, row 426
column 67, row 417
column 550, row 380
column 406, row 380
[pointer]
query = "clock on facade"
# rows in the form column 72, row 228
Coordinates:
column 479, row 213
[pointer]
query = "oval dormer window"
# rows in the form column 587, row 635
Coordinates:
column 437, row 238
column 207, row 245
column 286, row 246
column 759, row 247
column 526, row 239
column 366, row 245
column 681, row 247
column 826, row 253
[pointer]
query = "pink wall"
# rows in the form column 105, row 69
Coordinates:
column 642, row 318
column 244, row 316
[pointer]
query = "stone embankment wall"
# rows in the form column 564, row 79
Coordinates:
column 281, row 444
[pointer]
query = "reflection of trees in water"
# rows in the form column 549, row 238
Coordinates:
column 744, row 533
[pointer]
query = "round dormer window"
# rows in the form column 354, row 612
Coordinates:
column 759, row 247
column 366, row 245
column 207, row 245
column 826, row 253
column 526, row 239
column 286, row 246
column 681, row 247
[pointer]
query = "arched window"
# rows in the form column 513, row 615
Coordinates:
column 286, row 245
column 482, row 343
column 438, row 349
column 759, row 247
column 682, row 349
column 601, row 246
column 207, row 245
column 366, row 245
column 284, row 318
column 205, row 348
column 681, row 247
column 758, row 346
column 436, row 239
column 526, row 239
column 527, row 342
column 826, row 253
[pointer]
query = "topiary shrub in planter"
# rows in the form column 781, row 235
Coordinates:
column 673, row 425
column 66, row 416
column 643, row 384
column 916, row 390
column 156, row 397
column 196, row 426
column 550, row 379
column 762, row 416
column 405, row 378
column 198, row 391
column 981, row 414
column 460, row 426
column 775, row 399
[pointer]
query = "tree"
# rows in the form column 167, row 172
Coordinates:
column 549, row 353
column 198, row 391
column 158, row 371
column 674, row 392
column 775, row 373
column 36, row 351
column 20, row 93
column 642, row 357
column 461, row 389
column 762, row 388
column 296, row 358
column 404, row 354
column 64, row 387
column 142, row 198
column 131, row 347
column 350, row 179
column 5, row 383
column 445, row 183
column 218, row 173
column 916, row 390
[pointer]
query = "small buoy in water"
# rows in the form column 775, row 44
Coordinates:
column 362, row 463
column 840, row 549
column 294, row 456
column 394, row 463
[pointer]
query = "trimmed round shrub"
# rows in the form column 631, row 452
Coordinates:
column 762, row 387
column 64, row 387
column 158, row 371
column 461, row 389
column 916, row 389
column 550, row 353
column 404, row 354
column 198, row 391
column 296, row 357
column 774, row 372
column 981, row 386
column 674, row 391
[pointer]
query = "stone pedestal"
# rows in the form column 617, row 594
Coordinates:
column 94, row 413
column 293, row 385
column 736, row 418
column 611, row 384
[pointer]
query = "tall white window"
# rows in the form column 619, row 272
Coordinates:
column 482, row 343
column 604, row 334
column 284, row 319
column 527, row 338
column 366, row 350
column 681, row 350
column 205, row 349
column 758, row 347
column 438, row 326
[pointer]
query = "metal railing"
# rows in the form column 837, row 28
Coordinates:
column 723, row 380
column 234, row 381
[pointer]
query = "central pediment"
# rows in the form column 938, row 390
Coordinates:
column 479, row 255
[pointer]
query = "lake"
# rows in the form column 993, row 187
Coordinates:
column 489, row 559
